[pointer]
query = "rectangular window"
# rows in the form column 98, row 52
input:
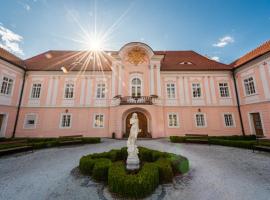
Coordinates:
column 171, row 91
column 200, row 120
column 66, row 121
column 30, row 121
column 224, row 90
column 173, row 120
column 6, row 86
column 228, row 120
column 249, row 86
column 99, row 121
column 196, row 90
column 36, row 88
column 101, row 88
column 69, row 90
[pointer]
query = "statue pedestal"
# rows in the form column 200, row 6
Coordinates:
column 133, row 161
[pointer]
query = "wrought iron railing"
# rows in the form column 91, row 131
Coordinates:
column 129, row 100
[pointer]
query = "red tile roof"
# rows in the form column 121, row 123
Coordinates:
column 9, row 57
column 188, row 60
column 79, row 60
column 71, row 60
column 259, row 51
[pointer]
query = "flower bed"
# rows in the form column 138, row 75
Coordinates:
column 156, row 167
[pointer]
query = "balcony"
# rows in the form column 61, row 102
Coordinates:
column 142, row 100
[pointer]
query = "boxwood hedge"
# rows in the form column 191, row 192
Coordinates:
column 156, row 167
column 133, row 185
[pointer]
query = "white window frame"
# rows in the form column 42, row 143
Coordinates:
column 32, row 88
column 205, row 120
column 25, row 125
column 228, row 86
column 6, row 89
column 177, row 120
column 61, row 118
column 233, row 120
column 69, row 90
column 94, row 120
column 169, row 88
column 136, row 86
column 254, row 83
column 97, row 89
column 192, row 90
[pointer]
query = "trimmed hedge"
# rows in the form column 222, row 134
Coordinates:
column 100, row 170
column 135, row 186
column 246, row 142
column 233, row 143
column 165, row 170
column 86, row 165
column 179, row 163
column 157, row 167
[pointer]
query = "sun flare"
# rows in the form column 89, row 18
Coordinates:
column 95, row 44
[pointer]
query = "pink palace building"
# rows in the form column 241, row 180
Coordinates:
column 60, row 93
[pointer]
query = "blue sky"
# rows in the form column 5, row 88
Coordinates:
column 223, row 29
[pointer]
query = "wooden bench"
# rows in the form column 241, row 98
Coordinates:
column 260, row 144
column 197, row 138
column 17, row 149
column 20, row 141
column 70, row 139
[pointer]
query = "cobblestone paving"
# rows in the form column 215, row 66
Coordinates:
column 217, row 173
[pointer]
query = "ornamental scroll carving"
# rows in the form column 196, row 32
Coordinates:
column 136, row 56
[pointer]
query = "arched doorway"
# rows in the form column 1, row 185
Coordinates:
column 142, row 125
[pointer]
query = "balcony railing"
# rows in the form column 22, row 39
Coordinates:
column 129, row 100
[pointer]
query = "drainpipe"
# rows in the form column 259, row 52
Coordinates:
column 238, row 104
column 19, row 106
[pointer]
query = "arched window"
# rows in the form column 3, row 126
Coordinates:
column 136, row 87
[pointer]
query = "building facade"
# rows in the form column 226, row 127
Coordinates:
column 94, row 93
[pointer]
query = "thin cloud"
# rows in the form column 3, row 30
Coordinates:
column 10, row 40
column 222, row 42
column 27, row 7
column 215, row 58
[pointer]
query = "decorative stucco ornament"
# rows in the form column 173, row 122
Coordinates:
column 136, row 56
column 133, row 161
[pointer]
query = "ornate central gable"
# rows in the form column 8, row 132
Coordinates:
column 136, row 56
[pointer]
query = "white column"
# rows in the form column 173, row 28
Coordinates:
column 120, row 80
column 49, row 92
column 55, row 91
column 186, row 85
column 113, row 81
column 158, row 81
column 207, row 91
column 264, row 82
column 88, row 91
column 213, row 91
column 181, row 90
column 152, row 89
column 82, row 97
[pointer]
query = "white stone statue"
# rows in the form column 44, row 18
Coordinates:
column 133, row 161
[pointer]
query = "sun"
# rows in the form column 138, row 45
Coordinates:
column 95, row 44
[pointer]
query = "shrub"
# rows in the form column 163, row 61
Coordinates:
column 233, row 143
column 133, row 185
column 165, row 170
column 90, row 140
column 86, row 165
column 145, row 154
column 100, row 170
column 115, row 154
column 177, row 139
column 100, row 155
column 124, row 153
column 179, row 163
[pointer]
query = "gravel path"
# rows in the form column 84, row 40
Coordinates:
column 217, row 173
